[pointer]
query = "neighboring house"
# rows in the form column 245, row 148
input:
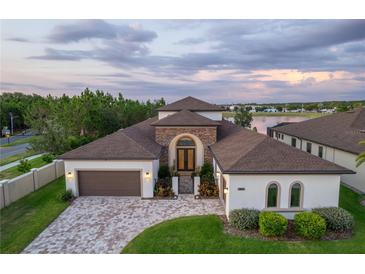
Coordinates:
column 334, row 138
column 252, row 170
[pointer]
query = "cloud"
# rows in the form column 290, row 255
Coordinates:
column 90, row 29
column 18, row 39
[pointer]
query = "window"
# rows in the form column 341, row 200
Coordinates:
column 309, row 147
column 296, row 195
column 320, row 151
column 185, row 142
column 272, row 195
column 282, row 136
column 277, row 135
column 293, row 142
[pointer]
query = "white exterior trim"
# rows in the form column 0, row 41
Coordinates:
column 147, row 183
column 213, row 115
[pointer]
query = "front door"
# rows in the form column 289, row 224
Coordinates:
column 186, row 159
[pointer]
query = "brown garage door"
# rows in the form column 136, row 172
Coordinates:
column 109, row 183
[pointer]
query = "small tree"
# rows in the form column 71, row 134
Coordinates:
column 361, row 158
column 242, row 117
column 24, row 166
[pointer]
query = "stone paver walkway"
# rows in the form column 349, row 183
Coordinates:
column 107, row 224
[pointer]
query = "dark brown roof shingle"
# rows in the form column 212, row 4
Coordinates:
column 185, row 118
column 341, row 130
column 248, row 152
column 190, row 103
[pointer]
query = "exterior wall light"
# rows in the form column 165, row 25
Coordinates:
column 69, row 175
column 225, row 191
column 147, row 175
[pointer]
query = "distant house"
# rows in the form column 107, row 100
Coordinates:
column 271, row 110
column 334, row 138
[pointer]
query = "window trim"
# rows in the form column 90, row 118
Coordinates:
column 295, row 142
column 310, row 147
column 301, row 198
column 277, row 198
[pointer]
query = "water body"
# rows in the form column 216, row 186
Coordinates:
column 262, row 122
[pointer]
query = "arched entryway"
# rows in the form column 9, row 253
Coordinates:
column 185, row 154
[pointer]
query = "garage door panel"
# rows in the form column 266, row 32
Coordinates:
column 109, row 183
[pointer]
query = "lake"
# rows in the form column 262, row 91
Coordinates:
column 262, row 122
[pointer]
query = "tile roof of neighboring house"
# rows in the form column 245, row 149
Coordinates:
column 248, row 152
column 185, row 118
column 341, row 130
column 132, row 143
column 190, row 103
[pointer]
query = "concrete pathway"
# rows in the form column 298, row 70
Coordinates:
column 15, row 163
column 107, row 224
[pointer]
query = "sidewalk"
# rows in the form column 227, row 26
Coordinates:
column 15, row 163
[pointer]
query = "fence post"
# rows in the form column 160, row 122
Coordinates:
column 196, row 185
column 175, row 185
column 5, row 188
column 35, row 178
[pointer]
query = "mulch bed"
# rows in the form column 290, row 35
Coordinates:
column 290, row 234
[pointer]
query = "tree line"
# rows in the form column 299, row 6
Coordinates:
column 67, row 122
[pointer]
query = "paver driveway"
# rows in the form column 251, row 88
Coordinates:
column 107, row 224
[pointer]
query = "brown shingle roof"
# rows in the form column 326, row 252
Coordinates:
column 133, row 143
column 190, row 103
column 247, row 152
column 185, row 118
column 341, row 130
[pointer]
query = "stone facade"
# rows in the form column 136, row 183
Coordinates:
column 164, row 135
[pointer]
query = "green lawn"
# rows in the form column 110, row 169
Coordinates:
column 24, row 219
column 17, row 157
column 310, row 115
column 14, row 172
column 204, row 234
column 21, row 141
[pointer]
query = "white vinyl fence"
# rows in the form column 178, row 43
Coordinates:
column 16, row 188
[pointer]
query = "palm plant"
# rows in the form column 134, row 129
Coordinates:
column 361, row 157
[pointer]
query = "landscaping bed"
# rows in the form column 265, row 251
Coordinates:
column 290, row 234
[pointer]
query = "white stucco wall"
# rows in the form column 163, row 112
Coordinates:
column 143, row 166
column 163, row 114
column 340, row 157
column 319, row 191
column 213, row 115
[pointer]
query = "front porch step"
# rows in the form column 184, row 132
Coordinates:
column 186, row 184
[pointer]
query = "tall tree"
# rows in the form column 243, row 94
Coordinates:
column 242, row 117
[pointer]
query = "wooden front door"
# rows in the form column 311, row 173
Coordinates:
column 186, row 159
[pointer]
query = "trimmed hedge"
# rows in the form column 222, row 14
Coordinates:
column 244, row 218
column 309, row 225
column 272, row 224
column 337, row 219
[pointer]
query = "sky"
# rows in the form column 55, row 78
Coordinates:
column 222, row 61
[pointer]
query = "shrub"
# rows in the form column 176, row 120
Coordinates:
column 24, row 166
column 208, row 189
column 337, row 219
column 163, row 188
column 48, row 158
column 272, row 224
column 164, row 172
column 309, row 225
column 206, row 172
column 244, row 218
column 67, row 195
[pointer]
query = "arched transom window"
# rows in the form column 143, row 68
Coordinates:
column 272, row 195
column 185, row 142
column 296, row 192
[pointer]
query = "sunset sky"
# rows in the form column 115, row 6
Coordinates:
column 221, row 61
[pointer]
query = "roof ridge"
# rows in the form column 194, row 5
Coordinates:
column 143, row 148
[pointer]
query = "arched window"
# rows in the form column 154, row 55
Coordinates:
column 272, row 195
column 296, row 195
column 185, row 142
